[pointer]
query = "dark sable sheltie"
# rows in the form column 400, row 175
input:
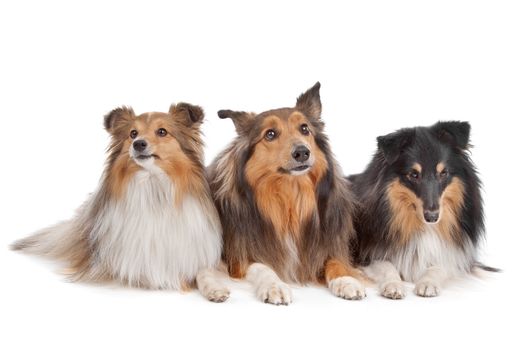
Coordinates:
column 285, row 208
column 421, row 215
column 152, row 222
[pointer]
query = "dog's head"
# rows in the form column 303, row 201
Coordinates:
column 426, row 169
column 284, row 141
column 165, row 140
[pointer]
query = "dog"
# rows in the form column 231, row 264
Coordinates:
column 420, row 216
column 286, row 209
column 152, row 222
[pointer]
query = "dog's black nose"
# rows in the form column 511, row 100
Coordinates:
column 301, row 154
column 431, row 216
column 140, row 145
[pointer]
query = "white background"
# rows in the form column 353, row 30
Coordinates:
column 382, row 65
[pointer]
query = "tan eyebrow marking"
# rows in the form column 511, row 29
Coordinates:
column 297, row 117
column 417, row 167
column 440, row 167
column 271, row 122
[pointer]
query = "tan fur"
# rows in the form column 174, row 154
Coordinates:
column 440, row 167
column 238, row 270
column 171, row 158
column 335, row 268
column 286, row 201
column 451, row 203
column 417, row 167
column 405, row 208
column 122, row 171
column 407, row 211
column 79, row 259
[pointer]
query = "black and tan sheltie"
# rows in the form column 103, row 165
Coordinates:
column 420, row 214
column 285, row 208
column 152, row 222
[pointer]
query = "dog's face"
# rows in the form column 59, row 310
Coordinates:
column 425, row 167
column 152, row 140
column 283, row 141
column 165, row 140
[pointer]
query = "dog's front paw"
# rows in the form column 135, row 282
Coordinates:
column 276, row 293
column 217, row 295
column 427, row 289
column 393, row 290
column 347, row 287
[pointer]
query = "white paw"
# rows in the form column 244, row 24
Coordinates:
column 393, row 290
column 217, row 295
column 427, row 289
column 347, row 287
column 277, row 293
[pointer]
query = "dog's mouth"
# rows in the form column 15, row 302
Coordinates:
column 146, row 156
column 298, row 170
column 301, row 168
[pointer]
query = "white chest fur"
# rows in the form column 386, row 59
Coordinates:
column 146, row 240
column 427, row 249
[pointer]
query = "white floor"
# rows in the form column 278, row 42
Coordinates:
column 40, row 310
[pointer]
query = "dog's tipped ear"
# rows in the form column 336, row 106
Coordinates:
column 188, row 113
column 118, row 118
column 454, row 133
column 392, row 145
column 310, row 102
column 242, row 120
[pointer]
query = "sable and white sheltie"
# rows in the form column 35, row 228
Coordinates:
column 285, row 208
column 420, row 215
column 152, row 222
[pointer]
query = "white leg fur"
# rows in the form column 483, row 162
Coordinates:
column 268, row 287
column 210, row 285
column 388, row 279
column 431, row 282
column 347, row 287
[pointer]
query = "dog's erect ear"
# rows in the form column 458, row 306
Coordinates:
column 243, row 121
column 456, row 134
column 310, row 102
column 189, row 114
column 118, row 118
column 393, row 144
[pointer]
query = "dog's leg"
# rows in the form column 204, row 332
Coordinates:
column 387, row 278
column 431, row 282
column 210, row 285
column 342, row 280
column 268, row 287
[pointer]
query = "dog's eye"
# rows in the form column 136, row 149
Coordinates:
column 305, row 130
column 444, row 174
column 270, row 135
column 162, row 132
column 133, row 134
column 413, row 175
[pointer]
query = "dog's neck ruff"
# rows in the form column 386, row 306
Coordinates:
column 147, row 239
column 428, row 248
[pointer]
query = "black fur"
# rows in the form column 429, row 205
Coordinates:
column 445, row 142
